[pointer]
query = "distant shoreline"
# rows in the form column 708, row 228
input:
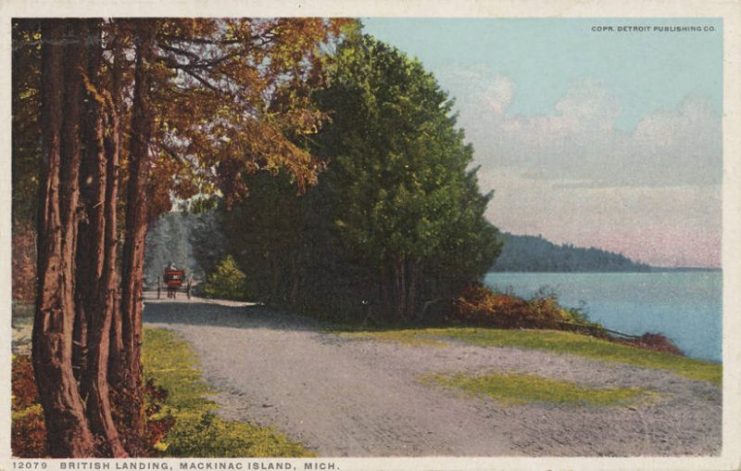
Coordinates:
column 534, row 254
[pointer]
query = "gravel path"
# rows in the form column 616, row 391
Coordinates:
column 351, row 397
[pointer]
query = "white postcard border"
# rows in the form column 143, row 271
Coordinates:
column 729, row 11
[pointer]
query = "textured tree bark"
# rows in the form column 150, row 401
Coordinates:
column 68, row 432
column 113, row 143
column 89, row 257
column 400, row 297
column 111, row 340
column 136, row 224
column 411, row 300
column 98, row 281
column 385, row 292
column 295, row 280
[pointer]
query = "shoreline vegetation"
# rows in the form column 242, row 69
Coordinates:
column 480, row 306
column 487, row 318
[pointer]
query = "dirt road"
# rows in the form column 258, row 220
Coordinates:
column 350, row 397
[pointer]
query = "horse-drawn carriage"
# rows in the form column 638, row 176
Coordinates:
column 173, row 280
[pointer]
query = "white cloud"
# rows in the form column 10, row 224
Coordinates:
column 573, row 176
column 499, row 94
column 579, row 138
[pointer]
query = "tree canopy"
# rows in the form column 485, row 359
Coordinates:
column 113, row 119
column 397, row 212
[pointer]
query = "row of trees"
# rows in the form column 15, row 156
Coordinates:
column 536, row 254
column 396, row 223
column 111, row 119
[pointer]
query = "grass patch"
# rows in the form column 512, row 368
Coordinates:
column 198, row 432
column 413, row 337
column 522, row 389
column 560, row 342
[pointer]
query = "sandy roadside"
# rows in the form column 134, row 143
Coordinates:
column 344, row 397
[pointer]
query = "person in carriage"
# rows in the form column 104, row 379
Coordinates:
column 173, row 279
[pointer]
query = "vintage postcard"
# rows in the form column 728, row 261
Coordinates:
column 325, row 236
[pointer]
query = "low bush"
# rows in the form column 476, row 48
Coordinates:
column 208, row 436
column 227, row 281
column 478, row 305
column 28, row 432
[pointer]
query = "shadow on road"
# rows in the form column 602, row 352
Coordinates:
column 199, row 312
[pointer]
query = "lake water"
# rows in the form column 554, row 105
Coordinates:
column 687, row 307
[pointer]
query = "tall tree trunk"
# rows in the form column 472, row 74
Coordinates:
column 295, row 279
column 114, row 148
column 110, row 281
column 89, row 259
column 100, row 261
column 383, row 291
column 136, row 224
column 401, row 287
column 275, row 278
column 68, row 432
column 411, row 300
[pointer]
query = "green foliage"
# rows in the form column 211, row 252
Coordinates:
column 396, row 219
column 399, row 169
column 209, row 436
column 28, row 431
column 29, row 435
column 521, row 389
column 266, row 232
column 227, row 281
column 535, row 254
column 26, row 105
column 198, row 432
column 559, row 342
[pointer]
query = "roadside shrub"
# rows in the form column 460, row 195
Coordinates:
column 479, row 305
column 23, row 385
column 28, row 432
column 156, row 427
column 209, row 436
column 159, row 423
column 227, row 281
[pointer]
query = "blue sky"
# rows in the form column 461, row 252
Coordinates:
column 544, row 57
column 608, row 139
